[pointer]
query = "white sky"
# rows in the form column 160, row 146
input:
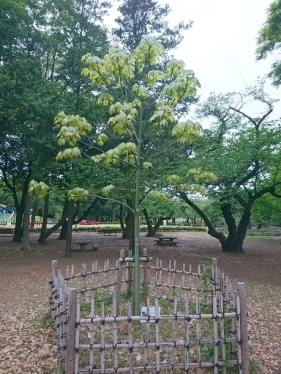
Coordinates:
column 220, row 47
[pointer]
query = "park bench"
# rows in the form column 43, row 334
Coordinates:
column 83, row 246
column 6, row 232
column 166, row 241
column 110, row 231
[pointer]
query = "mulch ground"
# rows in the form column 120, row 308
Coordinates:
column 26, row 347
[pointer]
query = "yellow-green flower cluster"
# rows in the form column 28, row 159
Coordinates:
column 163, row 197
column 200, row 176
column 181, row 86
column 77, row 194
column 125, row 113
column 68, row 153
column 147, row 53
column 147, row 165
column 163, row 114
column 174, row 68
column 111, row 157
column 116, row 67
column 185, row 132
column 71, row 128
column 154, row 76
column 139, row 91
column 38, row 188
column 101, row 139
column 106, row 190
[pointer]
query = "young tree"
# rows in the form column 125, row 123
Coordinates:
column 117, row 74
column 243, row 152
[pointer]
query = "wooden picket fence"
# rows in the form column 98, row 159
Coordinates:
column 190, row 321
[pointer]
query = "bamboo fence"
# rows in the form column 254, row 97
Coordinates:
column 190, row 322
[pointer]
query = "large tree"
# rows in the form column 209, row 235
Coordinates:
column 141, row 18
column 41, row 41
column 138, row 135
column 269, row 40
column 243, row 152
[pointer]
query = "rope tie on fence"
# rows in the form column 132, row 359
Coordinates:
column 114, row 346
column 217, row 343
column 188, row 319
column 215, row 317
column 176, row 316
column 129, row 319
column 77, row 324
column 131, row 349
column 76, row 350
column 187, row 346
column 175, row 343
column 157, row 321
column 102, row 349
column 62, row 335
column 102, row 322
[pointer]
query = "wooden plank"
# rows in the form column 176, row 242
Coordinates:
column 71, row 321
column 244, row 328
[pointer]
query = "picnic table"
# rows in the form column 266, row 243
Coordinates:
column 82, row 244
column 166, row 240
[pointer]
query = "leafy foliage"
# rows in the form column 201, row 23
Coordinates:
column 269, row 39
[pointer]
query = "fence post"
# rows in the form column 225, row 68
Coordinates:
column 71, row 321
column 145, row 277
column 244, row 329
column 119, row 281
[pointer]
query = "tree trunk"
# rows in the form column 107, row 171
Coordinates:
column 152, row 230
column 34, row 209
column 234, row 241
column 69, row 230
column 25, row 227
column 18, row 224
column 63, row 232
column 42, row 238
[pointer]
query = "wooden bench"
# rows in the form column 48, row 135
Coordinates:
column 83, row 246
column 110, row 231
column 166, row 241
column 6, row 232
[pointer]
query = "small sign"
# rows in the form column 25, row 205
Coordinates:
column 151, row 312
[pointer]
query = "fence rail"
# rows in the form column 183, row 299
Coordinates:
column 191, row 321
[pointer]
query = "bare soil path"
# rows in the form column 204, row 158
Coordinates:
column 26, row 347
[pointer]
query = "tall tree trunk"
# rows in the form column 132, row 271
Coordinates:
column 18, row 224
column 25, row 245
column 152, row 230
column 34, row 210
column 42, row 238
column 63, row 231
column 69, row 229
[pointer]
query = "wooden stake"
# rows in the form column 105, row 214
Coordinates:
column 71, row 319
column 244, row 328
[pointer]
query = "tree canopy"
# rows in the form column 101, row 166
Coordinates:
column 141, row 18
column 269, row 40
column 243, row 152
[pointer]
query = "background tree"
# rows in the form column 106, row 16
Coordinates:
column 41, row 41
column 142, row 18
column 269, row 40
column 243, row 152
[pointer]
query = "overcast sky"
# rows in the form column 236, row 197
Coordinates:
column 220, row 47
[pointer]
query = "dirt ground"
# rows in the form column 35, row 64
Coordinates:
column 26, row 347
